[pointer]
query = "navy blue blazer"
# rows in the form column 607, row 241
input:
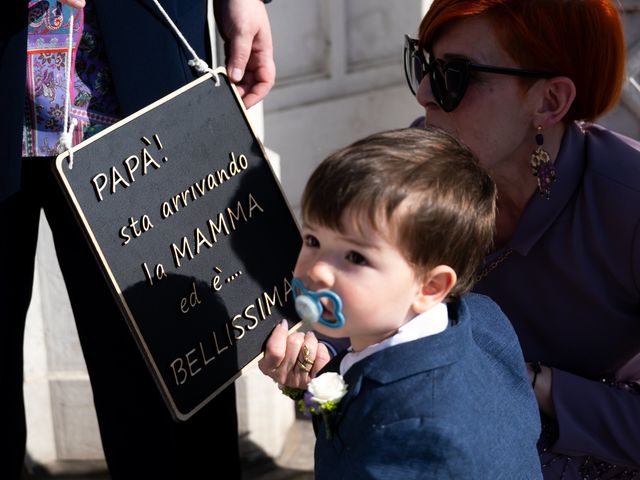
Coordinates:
column 456, row 405
column 146, row 61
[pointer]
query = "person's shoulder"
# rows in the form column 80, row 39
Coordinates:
column 481, row 311
column 612, row 157
column 491, row 329
column 480, row 305
column 599, row 134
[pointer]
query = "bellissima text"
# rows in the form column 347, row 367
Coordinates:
column 234, row 330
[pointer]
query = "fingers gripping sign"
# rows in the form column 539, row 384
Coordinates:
column 74, row 3
column 293, row 359
column 244, row 25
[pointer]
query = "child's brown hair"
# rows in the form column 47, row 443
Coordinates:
column 447, row 200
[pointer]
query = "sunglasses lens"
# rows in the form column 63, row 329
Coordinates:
column 449, row 83
column 448, row 80
column 417, row 73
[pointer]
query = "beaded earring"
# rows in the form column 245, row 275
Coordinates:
column 542, row 166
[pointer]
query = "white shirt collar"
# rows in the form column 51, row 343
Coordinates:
column 431, row 322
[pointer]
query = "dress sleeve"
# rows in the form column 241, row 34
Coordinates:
column 596, row 418
column 334, row 345
column 418, row 123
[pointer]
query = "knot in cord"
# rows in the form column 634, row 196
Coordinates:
column 203, row 67
column 199, row 64
column 195, row 62
column 66, row 138
column 66, row 141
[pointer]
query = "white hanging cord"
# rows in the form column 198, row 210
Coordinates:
column 66, row 137
column 196, row 62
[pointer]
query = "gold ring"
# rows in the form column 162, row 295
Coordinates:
column 306, row 368
column 306, row 357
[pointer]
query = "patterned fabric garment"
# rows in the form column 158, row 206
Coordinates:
column 94, row 104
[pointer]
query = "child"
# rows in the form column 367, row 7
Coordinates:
column 434, row 383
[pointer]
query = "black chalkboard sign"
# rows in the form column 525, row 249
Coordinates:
column 193, row 232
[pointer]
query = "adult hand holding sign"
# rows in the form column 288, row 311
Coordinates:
column 245, row 28
column 74, row 3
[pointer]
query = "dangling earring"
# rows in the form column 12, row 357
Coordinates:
column 542, row 166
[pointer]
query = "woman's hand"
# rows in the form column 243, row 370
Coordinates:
column 74, row 3
column 244, row 26
column 293, row 359
column 542, row 389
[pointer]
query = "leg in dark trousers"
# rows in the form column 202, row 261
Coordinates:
column 19, row 217
column 140, row 438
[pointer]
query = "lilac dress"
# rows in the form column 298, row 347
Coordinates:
column 93, row 105
column 571, row 288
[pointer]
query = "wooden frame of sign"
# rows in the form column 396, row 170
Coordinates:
column 193, row 233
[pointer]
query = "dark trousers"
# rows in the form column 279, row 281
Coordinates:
column 140, row 438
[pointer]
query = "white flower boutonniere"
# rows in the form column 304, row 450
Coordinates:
column 327, row 390
column 321, row 397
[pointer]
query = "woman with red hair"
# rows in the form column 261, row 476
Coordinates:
column 518, row 81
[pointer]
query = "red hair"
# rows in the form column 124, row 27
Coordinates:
column 579, row 39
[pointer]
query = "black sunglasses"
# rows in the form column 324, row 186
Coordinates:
column 449, row 79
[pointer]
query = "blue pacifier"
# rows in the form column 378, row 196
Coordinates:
column 310, row 308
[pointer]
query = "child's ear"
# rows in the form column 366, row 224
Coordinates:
column 436, row 285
